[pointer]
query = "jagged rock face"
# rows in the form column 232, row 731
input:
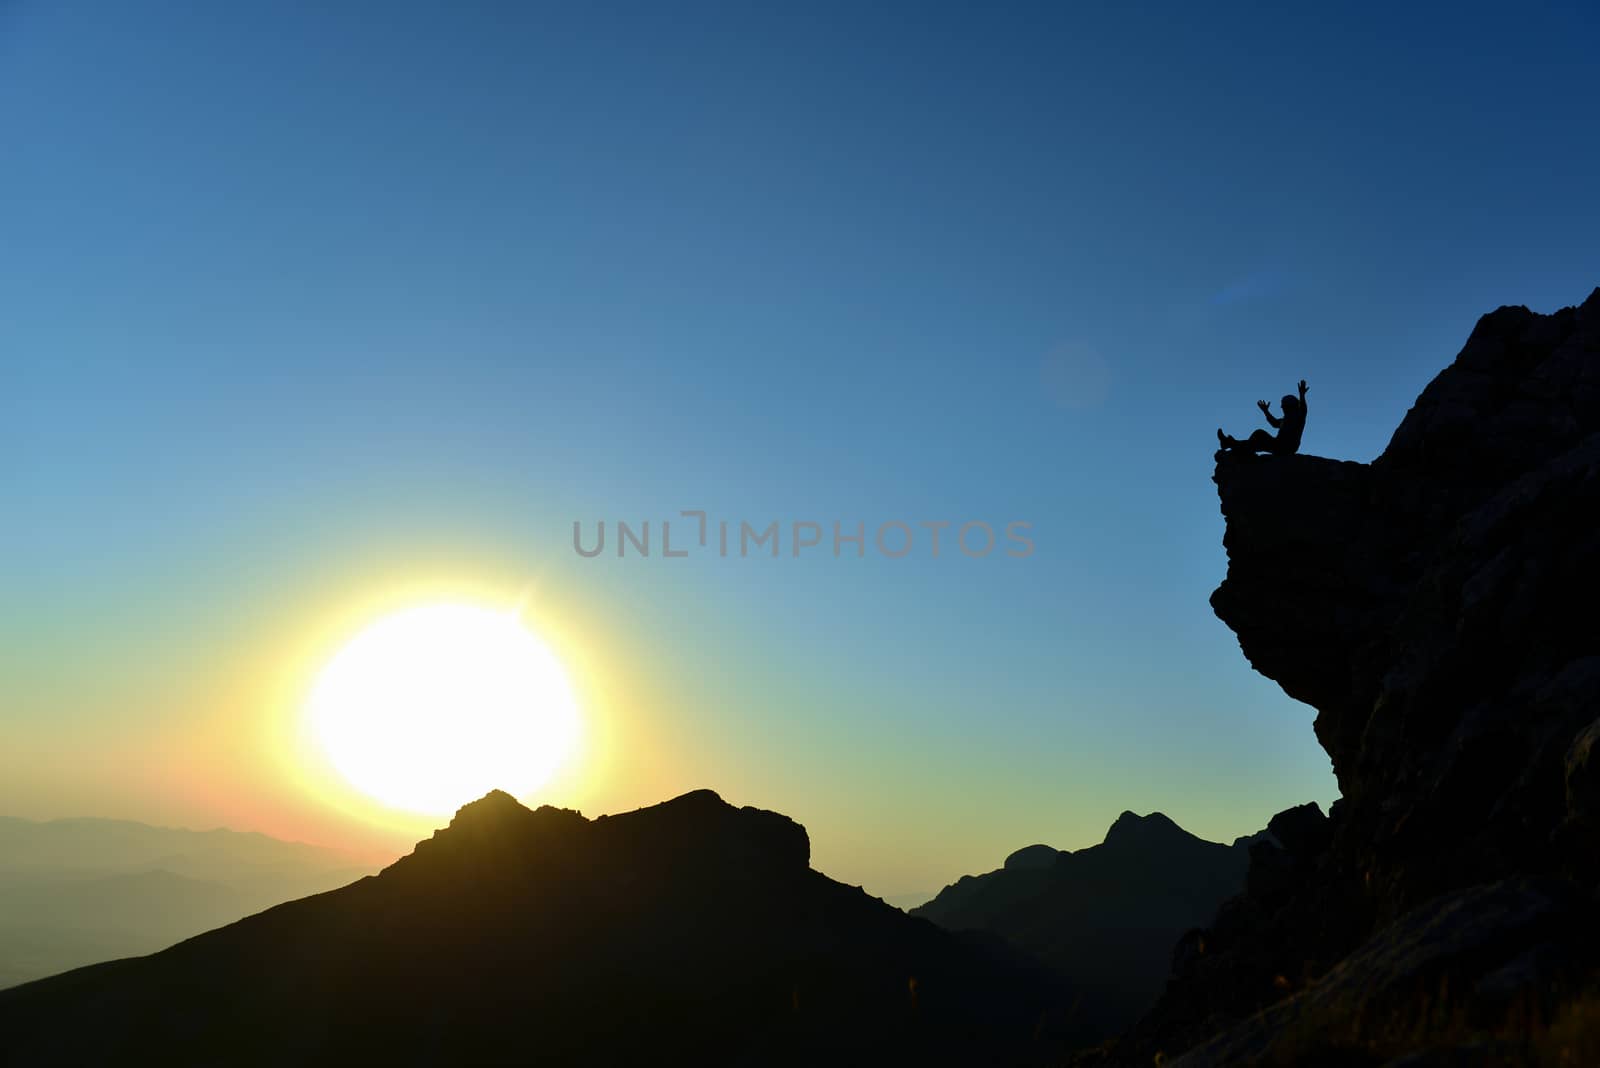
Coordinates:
column 1301, row 831
column 1435, row 606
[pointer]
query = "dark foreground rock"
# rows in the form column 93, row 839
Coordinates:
column 1509, row 940
column 1437, row 608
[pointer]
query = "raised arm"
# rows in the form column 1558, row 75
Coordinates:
column 1303, row 388
column 1266, row 410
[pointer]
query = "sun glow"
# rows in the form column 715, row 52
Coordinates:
column 433, row 706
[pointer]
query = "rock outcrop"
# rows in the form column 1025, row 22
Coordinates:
column 1436, row 608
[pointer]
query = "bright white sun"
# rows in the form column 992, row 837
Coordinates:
column 435, row 706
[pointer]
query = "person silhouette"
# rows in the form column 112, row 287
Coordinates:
column 1290, row 427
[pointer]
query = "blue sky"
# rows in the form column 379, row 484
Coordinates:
column 291, row 288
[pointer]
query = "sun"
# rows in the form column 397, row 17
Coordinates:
column 434, row 706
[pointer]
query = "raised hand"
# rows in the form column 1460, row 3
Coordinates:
column 1264, row 407
column 1302, row 387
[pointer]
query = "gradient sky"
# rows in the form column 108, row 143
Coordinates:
column 309, row 310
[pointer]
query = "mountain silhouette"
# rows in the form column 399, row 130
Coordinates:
column 1105, row 917
column 688, row 932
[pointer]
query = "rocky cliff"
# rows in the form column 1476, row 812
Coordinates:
column 1436, row 607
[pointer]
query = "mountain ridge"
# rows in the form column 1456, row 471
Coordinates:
column 1107, row 916
column 700, row 925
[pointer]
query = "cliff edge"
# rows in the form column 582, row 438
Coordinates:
column 1436, row 608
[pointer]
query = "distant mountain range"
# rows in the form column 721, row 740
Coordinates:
column 77, row 891
column 688, row 932
column 1107, row 917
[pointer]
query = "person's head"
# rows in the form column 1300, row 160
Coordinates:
column 1290, row 403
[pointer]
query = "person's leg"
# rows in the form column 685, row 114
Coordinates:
column 1260, row 441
